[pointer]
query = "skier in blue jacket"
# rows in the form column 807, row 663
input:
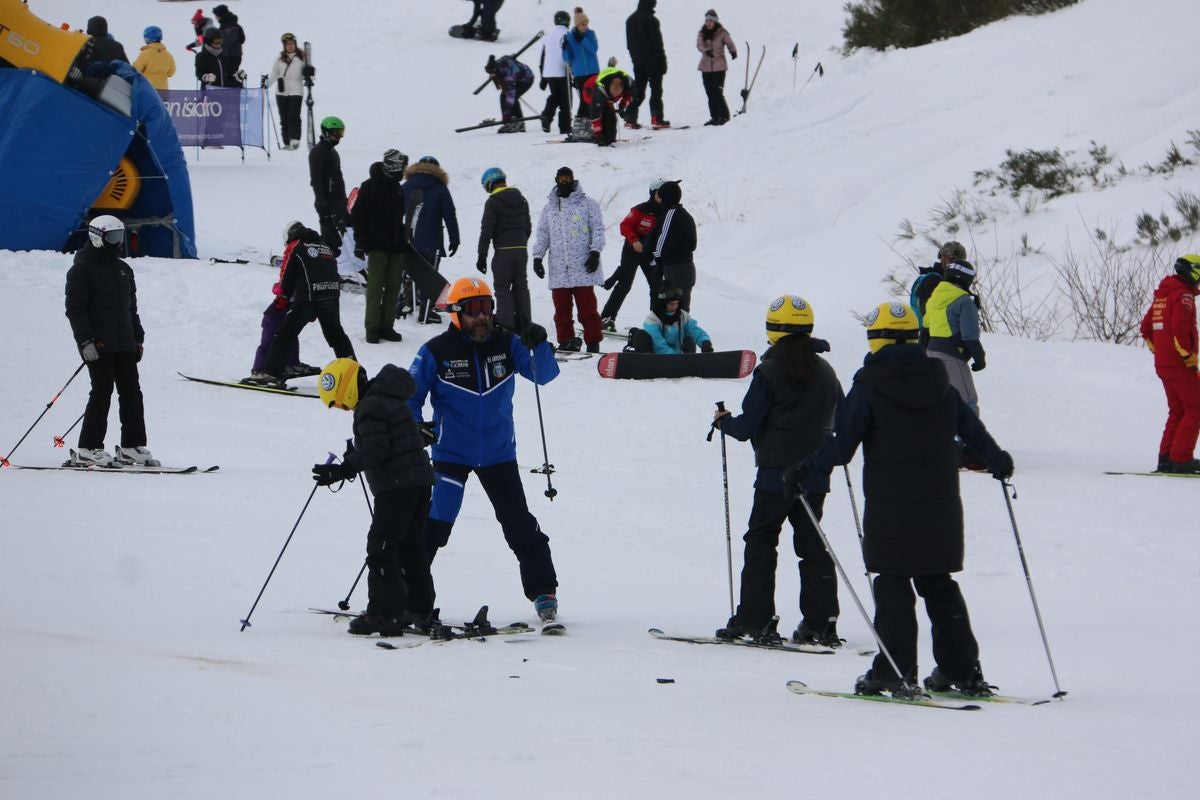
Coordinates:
column 469, row 375
column 580, row 48
column 429, row 208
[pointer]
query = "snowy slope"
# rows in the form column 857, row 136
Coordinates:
column 123, row 671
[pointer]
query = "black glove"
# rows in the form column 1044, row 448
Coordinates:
column 794, row 478
column 593, row 261
column 481, row 264
column 610, row 282
column 329, row 474
column 533, row 336
column 978, row 363
column 359, row 254
column 1002, row 469
column 707, row 347
column 542, row 84
column 733, row 55
column 428, row 437
column 453, row 249
column 308, row 70
column 708, row 53
column 538, row 269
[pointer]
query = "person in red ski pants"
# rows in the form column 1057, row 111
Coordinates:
column 1169, row 329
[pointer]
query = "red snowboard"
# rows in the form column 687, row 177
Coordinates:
column 640, row 366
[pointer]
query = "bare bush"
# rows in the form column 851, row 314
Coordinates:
column 1108, row 288
column 1016, row 306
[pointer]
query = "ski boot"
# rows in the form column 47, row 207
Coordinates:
column 1191, row 467
column 870, row 685
column 88, row 457
column 390, row 335
column 609, row 324
column 571, row 345
column 1164, row 463
column 974, row 686
column 826, row 635
column 370, row 624
column 265, row 379
column 135, row 457
column 658, row 122
column 546, row 606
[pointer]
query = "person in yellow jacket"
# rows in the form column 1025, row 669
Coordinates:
column 952, row 318
column 155, row 62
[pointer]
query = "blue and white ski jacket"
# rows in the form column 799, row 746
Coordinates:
column 470, row 387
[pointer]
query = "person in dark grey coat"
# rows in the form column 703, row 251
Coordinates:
column 389, row 449
column 506, row 226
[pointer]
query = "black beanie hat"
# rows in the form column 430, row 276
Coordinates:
column 671, row 193
column 564, row 172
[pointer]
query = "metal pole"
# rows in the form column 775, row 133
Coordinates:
column 4, row 461
column 728, row 526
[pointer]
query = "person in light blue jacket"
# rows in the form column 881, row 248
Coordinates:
column 668, row 329
column 580, row 48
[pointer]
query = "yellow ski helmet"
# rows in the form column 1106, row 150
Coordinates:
column 788, row 314
column 338, row 384
column 1188, row 268
column 891, row 323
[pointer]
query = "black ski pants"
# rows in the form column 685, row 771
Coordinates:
column 510, row 275
column 714, row 87
column 581, row 111
column 119, row 370
column 818, row 579
column 398, row 578
column 954, row 647
column 643, row 78
column 327, row 314
column 289, row 116
column 626, row 272
column 558, row 98
column 502, row 484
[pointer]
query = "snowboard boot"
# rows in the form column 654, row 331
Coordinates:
column 370, row 624
column 659, row 122
column 372, row 337
column 609, row 324
column 593, row 347
column 974, row 686
column 89, row 457
column 1191, row 467
column 571, row 345
column 825, row 635
column 390, row 335
column 136, row 456
column 546, row 606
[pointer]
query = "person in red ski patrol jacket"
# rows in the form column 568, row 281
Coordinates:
column 634, row 229
column 1169, row 329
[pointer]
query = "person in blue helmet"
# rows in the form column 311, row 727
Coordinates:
column 155, row 61
column 506, row 227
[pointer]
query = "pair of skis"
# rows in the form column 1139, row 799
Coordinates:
column 72, row 465
column 435, row 630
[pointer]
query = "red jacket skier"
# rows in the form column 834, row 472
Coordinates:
column 1169, row 329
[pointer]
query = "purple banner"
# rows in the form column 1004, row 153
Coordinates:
column 215, row 116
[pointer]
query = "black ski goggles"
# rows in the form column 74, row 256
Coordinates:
column 476, row 307
column 113, row 236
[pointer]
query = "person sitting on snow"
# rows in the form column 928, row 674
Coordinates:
column 668, row 329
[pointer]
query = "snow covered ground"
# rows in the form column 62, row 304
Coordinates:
column 124, row 673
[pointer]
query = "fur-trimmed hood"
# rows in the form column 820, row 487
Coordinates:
column 426, row 168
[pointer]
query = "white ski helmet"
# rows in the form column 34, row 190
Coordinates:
column 106, row 229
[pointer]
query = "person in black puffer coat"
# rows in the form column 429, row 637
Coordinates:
column 643, row 38
column 381, row 235
column 212, row 65
column 506, row 226
column 310, row 284
column 787, row 414
column 104, row 47
column 101, row 304
column 328, row 185
column 905, row 414
column 233, row 35
column 389, row 449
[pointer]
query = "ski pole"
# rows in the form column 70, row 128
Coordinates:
column 1005, row 486
column 59, row 441
column 246, row 622
column 4, row 462
column 858, row 527
column 818, row 70
column 907, row 688
column 728, row 532
column 528, row 45
column 344, row 605
column 270, row 113
column 547, row 468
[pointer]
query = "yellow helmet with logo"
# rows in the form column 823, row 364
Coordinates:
column 891, row 323
column 1188, row 268
column 788, row 314
column 338, row 384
